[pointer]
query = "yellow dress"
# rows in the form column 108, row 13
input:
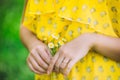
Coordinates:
column 65, row 20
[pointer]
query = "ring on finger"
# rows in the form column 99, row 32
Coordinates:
column 64, row 63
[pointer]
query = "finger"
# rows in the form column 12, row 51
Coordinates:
column 35, row 65
column 64, row 63
column 69, row 67
column 38, row 59
column 48, row 52
column 32, row 69
column 52, row 63
column 43, row 55
column 58, row 62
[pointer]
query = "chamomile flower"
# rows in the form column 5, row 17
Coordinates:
column 51, row 45
column 63, row 39
column 61, row 42
column 55, row 36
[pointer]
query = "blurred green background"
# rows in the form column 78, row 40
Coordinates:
column 12, row 53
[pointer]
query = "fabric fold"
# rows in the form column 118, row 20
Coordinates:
column 98, row 18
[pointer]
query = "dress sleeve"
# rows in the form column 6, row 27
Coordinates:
column 29, row 20
column 114, row 12
column 33, row 10
column 117, row 30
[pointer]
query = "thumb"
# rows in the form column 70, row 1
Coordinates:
column 52, row 63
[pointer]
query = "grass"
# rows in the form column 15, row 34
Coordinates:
column 12, row 53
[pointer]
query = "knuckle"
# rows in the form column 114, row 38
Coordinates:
column 42, row 64
column 69, row 67
column 33, row 50
column 32, row 53
column 45, row 58
column 44, row 47
column 61, row 67
column 36, row 67
column 42, row 70
column 63, row 51
column 40, row 47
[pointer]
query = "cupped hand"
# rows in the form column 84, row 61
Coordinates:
column 70, row 53
column 39, row 58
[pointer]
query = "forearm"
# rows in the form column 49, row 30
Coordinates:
column 107, row 46
column 28, row 38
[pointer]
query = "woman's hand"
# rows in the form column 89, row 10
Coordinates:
column 39, row 55
column 39, row 58
column 70, row 53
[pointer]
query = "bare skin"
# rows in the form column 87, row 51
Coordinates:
column 73, row 51
column 40, row 61
column 39, row 54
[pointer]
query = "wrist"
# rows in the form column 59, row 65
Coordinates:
column 90, row 39
column 33, row 44
column 94, row 40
